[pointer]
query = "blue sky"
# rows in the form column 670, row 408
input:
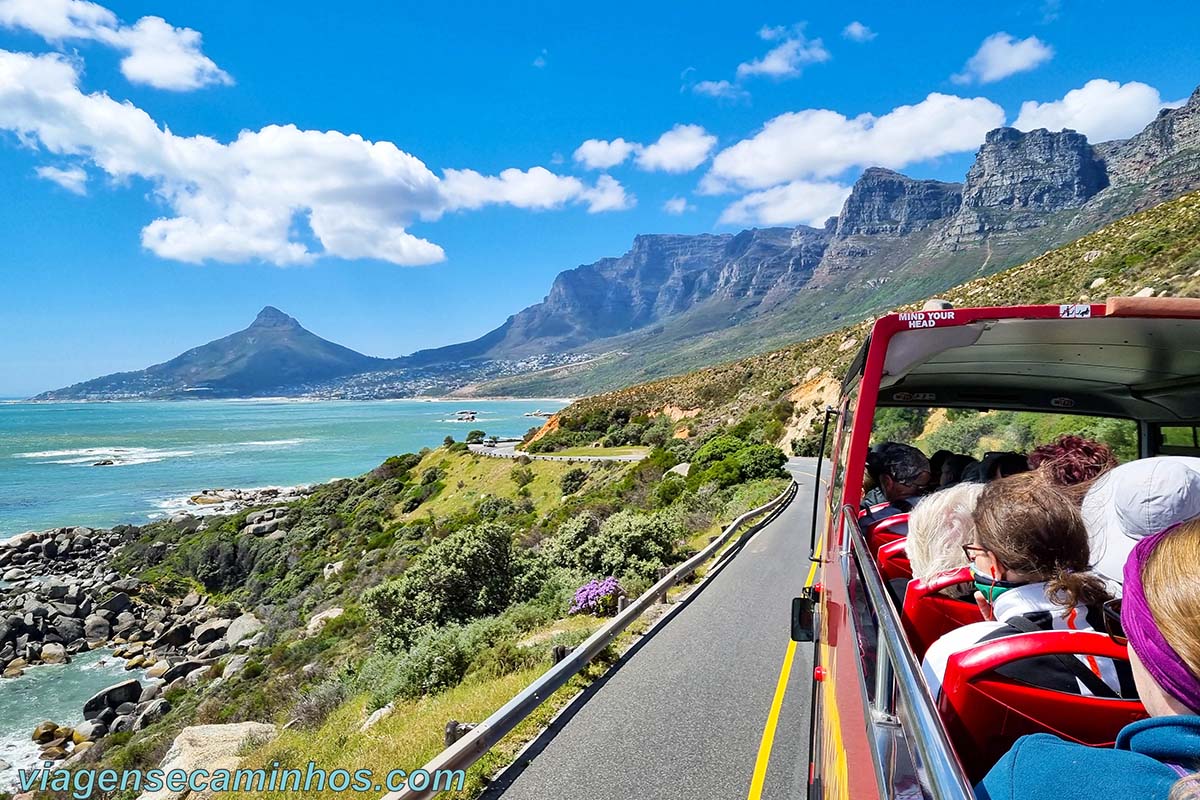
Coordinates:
column 153, row 196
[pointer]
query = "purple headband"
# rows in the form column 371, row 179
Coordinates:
column 1158, row 657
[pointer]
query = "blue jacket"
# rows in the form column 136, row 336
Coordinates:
column 1137, row 768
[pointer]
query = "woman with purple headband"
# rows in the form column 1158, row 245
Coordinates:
column 1160, row 615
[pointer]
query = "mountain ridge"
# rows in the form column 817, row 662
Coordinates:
column 675, row 302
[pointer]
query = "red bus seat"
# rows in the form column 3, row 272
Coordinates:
column 928, row 614
column 985, row 713
column 887, row 530
column 893, row 560
column 862, row 512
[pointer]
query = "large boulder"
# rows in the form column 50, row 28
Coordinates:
column 241, row 628
column 112, row 697
column 54, row 653
column 117, row 603
column 209, row 747
column 179, row 670
column 210, row 631
column 156, row 710
column 318, row 621
column 96, row 628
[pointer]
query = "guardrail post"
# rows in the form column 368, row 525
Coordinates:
column 622, row 603
column 451, row 732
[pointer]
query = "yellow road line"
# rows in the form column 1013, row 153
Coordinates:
column 768, row 737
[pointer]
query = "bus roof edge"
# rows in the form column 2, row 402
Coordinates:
column 1153, row 307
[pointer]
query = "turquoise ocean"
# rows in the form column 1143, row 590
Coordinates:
column 163, row 452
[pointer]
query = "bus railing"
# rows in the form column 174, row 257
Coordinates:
column 900, row 692
column 469, row 749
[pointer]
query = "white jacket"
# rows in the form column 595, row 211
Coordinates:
column 1023, row 600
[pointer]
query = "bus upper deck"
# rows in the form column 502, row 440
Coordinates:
column 1134, row 359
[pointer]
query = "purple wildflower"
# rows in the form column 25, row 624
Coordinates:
column 598, row 597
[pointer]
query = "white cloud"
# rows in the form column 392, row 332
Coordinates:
column 786, row 59
column 722, row 89
column 157, row 53
column 678, row 205
column 818, row 143
column 608, row 195
column 1100, row 109
column 73, row 179
column 680, row 149
column 794, row 203
column 858, row 32
column 250, row 198
column 603, row 154
column 1001, row 55
column 540, row 61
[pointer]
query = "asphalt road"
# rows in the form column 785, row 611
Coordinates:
column 683, row 714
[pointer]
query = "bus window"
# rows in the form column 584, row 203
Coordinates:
column 1179, row 440
column 973, row 432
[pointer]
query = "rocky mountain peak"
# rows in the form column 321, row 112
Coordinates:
column 1037, row 170
column 271, row 317
column 886, row 202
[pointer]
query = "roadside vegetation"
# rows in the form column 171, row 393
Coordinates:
column 433, row 588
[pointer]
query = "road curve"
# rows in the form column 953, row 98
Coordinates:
column 509, row 450
column 683, row 714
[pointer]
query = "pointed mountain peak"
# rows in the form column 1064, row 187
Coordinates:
column 272, row 317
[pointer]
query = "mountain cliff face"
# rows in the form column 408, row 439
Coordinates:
column 274, row 354
column 662, row 275
column 1019, row 179
column 888, row 203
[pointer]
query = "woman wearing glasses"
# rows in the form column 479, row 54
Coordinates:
column 1030, row 563
column 1160, row 614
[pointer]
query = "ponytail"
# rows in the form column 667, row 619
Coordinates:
column 1069, row 588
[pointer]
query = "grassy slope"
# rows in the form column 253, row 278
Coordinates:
column 1158, row 248
column 486, row 477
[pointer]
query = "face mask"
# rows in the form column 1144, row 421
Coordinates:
column 992, row 587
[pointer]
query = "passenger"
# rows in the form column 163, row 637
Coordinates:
column 1030, row 562
column 996, row 465
column 1135, row 500
column 901, row 473
column 936, row 462
column 937, row 530
column 953, row 468
column 1158, row 614
column 1071, row 460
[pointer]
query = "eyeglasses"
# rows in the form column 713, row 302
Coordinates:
column 1112, row 621
column 973, row 551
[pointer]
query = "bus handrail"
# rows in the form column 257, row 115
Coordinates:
column 938, row 761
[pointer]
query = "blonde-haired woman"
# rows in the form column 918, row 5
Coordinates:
column 1158, row 611
column 938, row 528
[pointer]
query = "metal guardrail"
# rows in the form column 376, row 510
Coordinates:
column 469, row 749
column 898, row 680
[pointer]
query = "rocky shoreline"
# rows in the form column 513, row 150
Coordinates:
column 60, row 596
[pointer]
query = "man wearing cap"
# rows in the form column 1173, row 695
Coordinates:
column 901, row 475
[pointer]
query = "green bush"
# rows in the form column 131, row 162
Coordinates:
column 521, row 476
column 468, row 574
column 626, row 544
column 573, row 480
column 760, row 461
column 716, row 449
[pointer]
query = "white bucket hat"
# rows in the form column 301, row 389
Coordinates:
column 1135, row 500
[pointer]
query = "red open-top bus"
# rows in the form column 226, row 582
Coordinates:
column 876, row 730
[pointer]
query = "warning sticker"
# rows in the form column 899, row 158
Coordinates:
column 1075, row 311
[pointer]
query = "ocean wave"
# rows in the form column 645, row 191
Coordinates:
column 132, row 456
column 120, row 456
